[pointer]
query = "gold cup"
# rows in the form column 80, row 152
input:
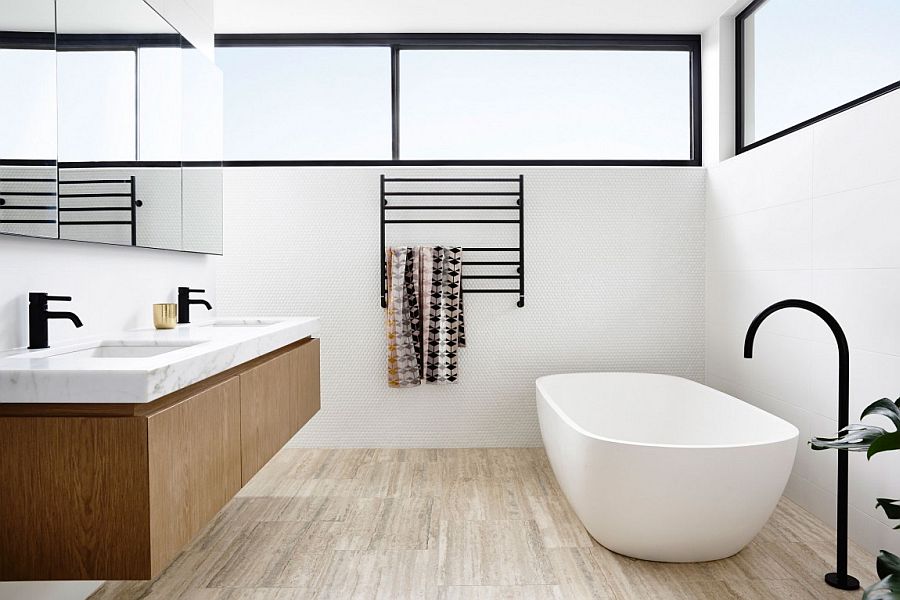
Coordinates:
column 165, row 316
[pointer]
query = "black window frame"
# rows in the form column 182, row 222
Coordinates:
column 485, row 41
column 740, row 105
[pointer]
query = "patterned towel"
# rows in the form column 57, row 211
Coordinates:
column 445, row 321
column 425, row 324
column 404, row 327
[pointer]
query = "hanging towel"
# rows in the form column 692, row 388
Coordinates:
column 445, row 322
column 404, row 327
column 424, row 268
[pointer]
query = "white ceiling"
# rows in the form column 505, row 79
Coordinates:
column 467, row 16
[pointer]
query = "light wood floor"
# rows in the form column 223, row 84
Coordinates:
column 457, row 524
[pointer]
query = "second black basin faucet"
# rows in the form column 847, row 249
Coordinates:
column 185, row 301
column 39, row 316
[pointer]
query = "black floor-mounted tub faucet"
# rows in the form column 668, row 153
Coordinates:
column 840, row 579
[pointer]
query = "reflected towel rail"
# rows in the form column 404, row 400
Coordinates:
column 20, row 195
column 131, row 208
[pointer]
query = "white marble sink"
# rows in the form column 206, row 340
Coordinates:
column 113, row 349
column 143, row 365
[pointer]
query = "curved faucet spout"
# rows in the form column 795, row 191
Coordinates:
column 66, row 315
column 832, row 323
column 840, row 579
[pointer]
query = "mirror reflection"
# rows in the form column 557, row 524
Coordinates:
column 119, row 80
column 117, row 135
column 28, row 129
column 202, row 144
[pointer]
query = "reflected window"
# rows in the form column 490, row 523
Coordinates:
column 97, row 106
column 159, row 108
column 28, row 105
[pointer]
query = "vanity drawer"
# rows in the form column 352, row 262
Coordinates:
column 194, row 466
column 278, row 397
column 73, row 498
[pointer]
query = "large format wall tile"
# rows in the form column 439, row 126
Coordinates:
column 857, row 229
column 770, row 238
column 864, row 301
column 837, row 248
column 755, row 180
column 857, row 148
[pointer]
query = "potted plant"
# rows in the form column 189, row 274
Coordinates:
column 874, row 440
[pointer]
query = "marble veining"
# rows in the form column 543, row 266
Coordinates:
column 65, row 374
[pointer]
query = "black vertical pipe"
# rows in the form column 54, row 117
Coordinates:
column 383, row 253
column 843, row 469
column 134, row 206
column 521, row 302
column 839, row 579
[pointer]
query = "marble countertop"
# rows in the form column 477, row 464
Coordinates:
column 69, row 373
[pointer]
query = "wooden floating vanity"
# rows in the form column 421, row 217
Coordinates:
column 115, row 491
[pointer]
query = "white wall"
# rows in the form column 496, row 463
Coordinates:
column 614, row 281
column 813, row 215
column 112, row 288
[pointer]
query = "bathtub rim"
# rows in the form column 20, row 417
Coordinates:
column 581, row 430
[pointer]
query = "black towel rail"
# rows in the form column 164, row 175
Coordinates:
column 446, row 196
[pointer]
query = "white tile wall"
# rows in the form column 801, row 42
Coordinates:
column 614, row 281
column 813, row 215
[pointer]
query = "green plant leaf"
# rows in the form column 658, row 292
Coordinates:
column 887, row 564
column 855, row 437
column 890, row 508
column 888, row 441
column 885, row 408
column 886, row 589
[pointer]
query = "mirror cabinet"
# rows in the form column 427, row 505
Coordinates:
column 112, row 131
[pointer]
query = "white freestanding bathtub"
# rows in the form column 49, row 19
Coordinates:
column 663, row 468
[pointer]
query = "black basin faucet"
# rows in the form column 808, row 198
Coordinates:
column 185, row 301
column 39, row 316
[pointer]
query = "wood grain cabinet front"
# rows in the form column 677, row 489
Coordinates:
column 277, row 398
column 194, row 466
column 94, row 492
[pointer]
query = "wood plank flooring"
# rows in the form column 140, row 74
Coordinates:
column 457, row 524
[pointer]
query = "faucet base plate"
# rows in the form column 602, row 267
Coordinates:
column 842, row 582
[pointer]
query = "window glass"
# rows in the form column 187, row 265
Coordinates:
column 803, row 58
column 545, row 104
column 307, row 103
